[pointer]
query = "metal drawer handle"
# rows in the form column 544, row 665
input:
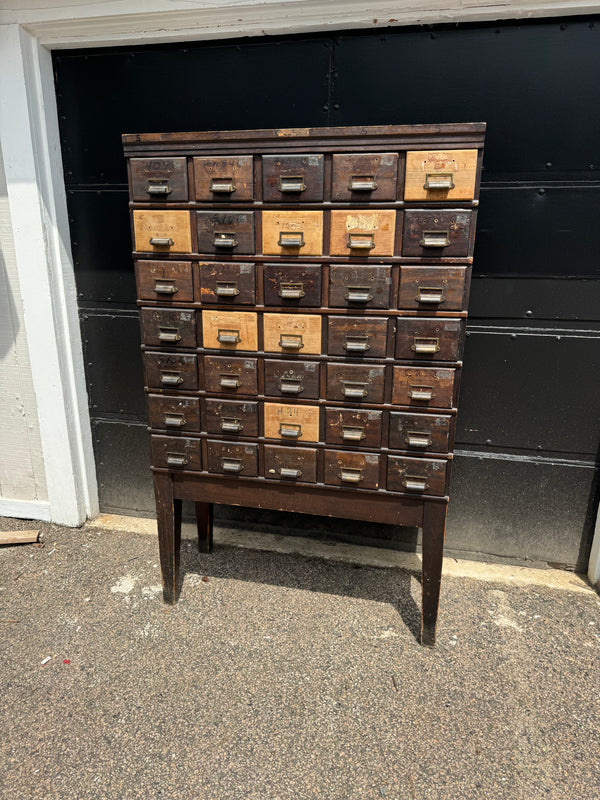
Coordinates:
column 168, row 335
column 438, row 180
column 357, row 344
column 228, row 336
column 287, row 472
column 291, row 386
column 231, row 425
column 157, row 241
column 229, row 382
column 174, row 420
column 291, row 183
column 176, row 460
column 418, row 439
column 165, row 287
column 415, row 483
column 287, row 430
column 354, row 389
column 358, row 294
column 157, row 186
column 222, row 185
column 362, row 183
column 291, row 341
column 353, row 434
column 435, row 239
column 171, row 378
column 425, row 345
column 291, row 291
column 351, row 475
column 225, row 240
column 430, row 294
column 291, row 239
column 420, row 392
column 361, row 241
column 233, row 465
column 227, row 289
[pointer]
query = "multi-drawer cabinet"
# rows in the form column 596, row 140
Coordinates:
column 303, row 299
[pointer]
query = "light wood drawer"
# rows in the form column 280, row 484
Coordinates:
column 162, row 231
column 292, row 233
column 229, row 330
column 292, row 333
column 440, row 175
column 362, row 233
column 291, row 423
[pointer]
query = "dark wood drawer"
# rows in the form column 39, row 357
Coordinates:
column 292, row 379
column 230, row 458
column 292, row 178
column 356, row 337
column 290, row 463
column 432, row 288
column 436, row 339
column 165, row 281
column 159, row 180
column 423, row 387
column 355, row 383
column 174, row 413
column 229, row 330
column 171, row 371
column 436, row 234
column 225, row 283
column 225, row 232
column 360, row 177
column 439, row 175
column 162, row 232
column 223, row 179
column 231, row 417
column 292, row 233
column 352, row 470
column 416, row 475
column 166, row 327
column 292, row 284
column 359, row 287
column 353, row 427
column 230, row 375
column 176, row 452
column 420, row 432
column 362, row 233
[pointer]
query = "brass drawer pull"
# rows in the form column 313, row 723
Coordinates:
column 291, row 341
column 354, row 389
column 233, row 465
column 415, row 483
column 353, row 434
column 228, row 336
column 229, row 382
column 362, row 183
column 290, row 386
column 291, row 239
column 288, row 472
column 171, row 378
column 425, row 345
column 438, row 180
column 435, row 239
column 361, row 241
column 168, row 335
column 158, row 187
column 291, row 183
column 287, row 430
column 157, row 241
column 231, row 425
column 291, row 291
column 420, row 392
column 174, row 420
column 358, row 294
column 418, row 439
column 165, row 287
column 434, row 295
column 225, row 240
column 176, row 460
column 222, row 185
column 227, row 289
column 357, row 344
column 351, row 475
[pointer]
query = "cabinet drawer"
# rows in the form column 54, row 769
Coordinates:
column 292, row 333
column 355, row 427
column 230, row 375
column 352, row 470
column 420, row 432
column 416, row 475
column 357, row 336
column 171, row 371
column 292, row 284
column 231, row 417
column 440, row 175
column 360, row 177
column 230, row 458
column 423, row 386
column 229, row 330
column 437, row 339
column 362, row 233
column 290, row 463
column 225, row 283
column 174, row 413
column 159, row 180
column 292, row 178
column 168, row 327
column 359, row 287
column 225, row 179
column 162, row 231
column 164, row 281
column 436, row 234
column 355, row 382
column 292, row 379
column 175, row 452
column 225, row 232
column 432, row 288
column 291, row 423
column 292, row 233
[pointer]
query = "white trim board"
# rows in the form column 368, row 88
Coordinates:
column 25, row 509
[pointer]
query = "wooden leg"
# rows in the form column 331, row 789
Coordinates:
column 168, row 517
column 204, row 521
column 434, row 529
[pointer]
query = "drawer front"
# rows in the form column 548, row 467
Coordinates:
column 223, row 179
column 230, row 458
column 440, row 175
column 432, row 288
column 437, row 339
column 292, row 333
column 292, row 178
column 225, row 283
column 359, row 287
column 436, row 234
column 292, row 284
column 362, row 233
column 352, row 470
column 231, row 417
column 168, row 327
column 162, row 232
column 291, row 423
column 229, row 330
column 230, row 375
column 353, row 427
column 357, row 336
column 174, row 413
column 171, row 371
column 423, row 387
column 420, row 432
column 360, row 177
column 225, row 233
column 292, row 379
column 176, row 452
column 160, row 180
column 416, row 475
column 165, row 281
column 290, row 463
column 292, row 233
column 355, row 383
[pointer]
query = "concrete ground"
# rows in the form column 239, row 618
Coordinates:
column 288, row 675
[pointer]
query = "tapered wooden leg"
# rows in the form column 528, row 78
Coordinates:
column 204, row 521
column 168, row 517
column 434, row 530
